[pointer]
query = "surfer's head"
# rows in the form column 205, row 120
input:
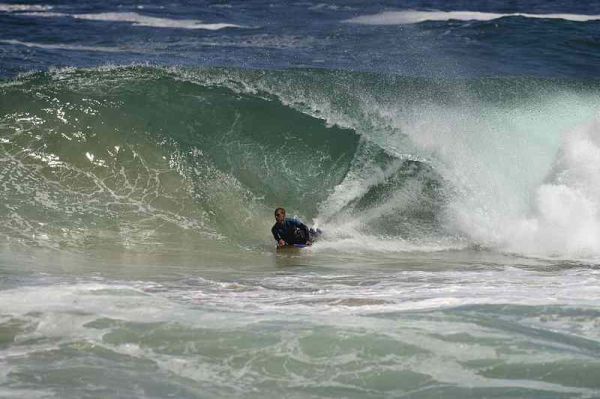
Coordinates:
column 280, row 215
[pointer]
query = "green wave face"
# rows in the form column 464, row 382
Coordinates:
column 155, row 158
column 132, row 156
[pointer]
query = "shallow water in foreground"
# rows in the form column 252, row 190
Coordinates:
column 308, row 324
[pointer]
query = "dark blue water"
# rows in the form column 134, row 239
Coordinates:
column 315, row 34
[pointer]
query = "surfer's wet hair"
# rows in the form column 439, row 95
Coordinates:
column 279, row 210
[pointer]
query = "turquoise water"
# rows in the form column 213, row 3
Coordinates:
column 451, row 324
column 459, row 257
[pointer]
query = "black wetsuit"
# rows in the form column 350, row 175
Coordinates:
column 292, row 231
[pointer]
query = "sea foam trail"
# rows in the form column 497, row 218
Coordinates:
column 23, row 7
column 132, row 17
column 414, row 17
column 143, row 20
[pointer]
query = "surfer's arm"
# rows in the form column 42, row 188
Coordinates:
column 280, row 241
column 305, row 229
column 276, row 234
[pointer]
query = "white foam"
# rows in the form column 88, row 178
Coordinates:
column 143, row 20
column 525, row 180
column 131, row 17
column 330, row 7
column 84, row 302
column 44, row 14
column 177, row 315
column 566, row 213
column 23, row 7
column 413, row 17
column 357, row 242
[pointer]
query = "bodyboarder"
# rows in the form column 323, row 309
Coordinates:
column 288, row 231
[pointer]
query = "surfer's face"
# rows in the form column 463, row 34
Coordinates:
column 280, row 216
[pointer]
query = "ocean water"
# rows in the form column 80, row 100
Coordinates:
column 449, row 150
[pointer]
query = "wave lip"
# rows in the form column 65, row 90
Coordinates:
column 413, row 17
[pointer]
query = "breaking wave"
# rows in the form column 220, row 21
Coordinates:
column 414, row 17
column 134, row 18
column 142, row 157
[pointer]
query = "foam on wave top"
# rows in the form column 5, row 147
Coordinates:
column 131, row 17
column 23, row 7
column 143, row 20
column 413, row 17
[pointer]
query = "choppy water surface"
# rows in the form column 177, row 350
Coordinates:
column 449, row 153
column 461, row 324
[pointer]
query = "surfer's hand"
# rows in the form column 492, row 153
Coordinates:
column 281, row 243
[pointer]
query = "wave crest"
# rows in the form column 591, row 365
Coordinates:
column 160, row 157
column 414, row 17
